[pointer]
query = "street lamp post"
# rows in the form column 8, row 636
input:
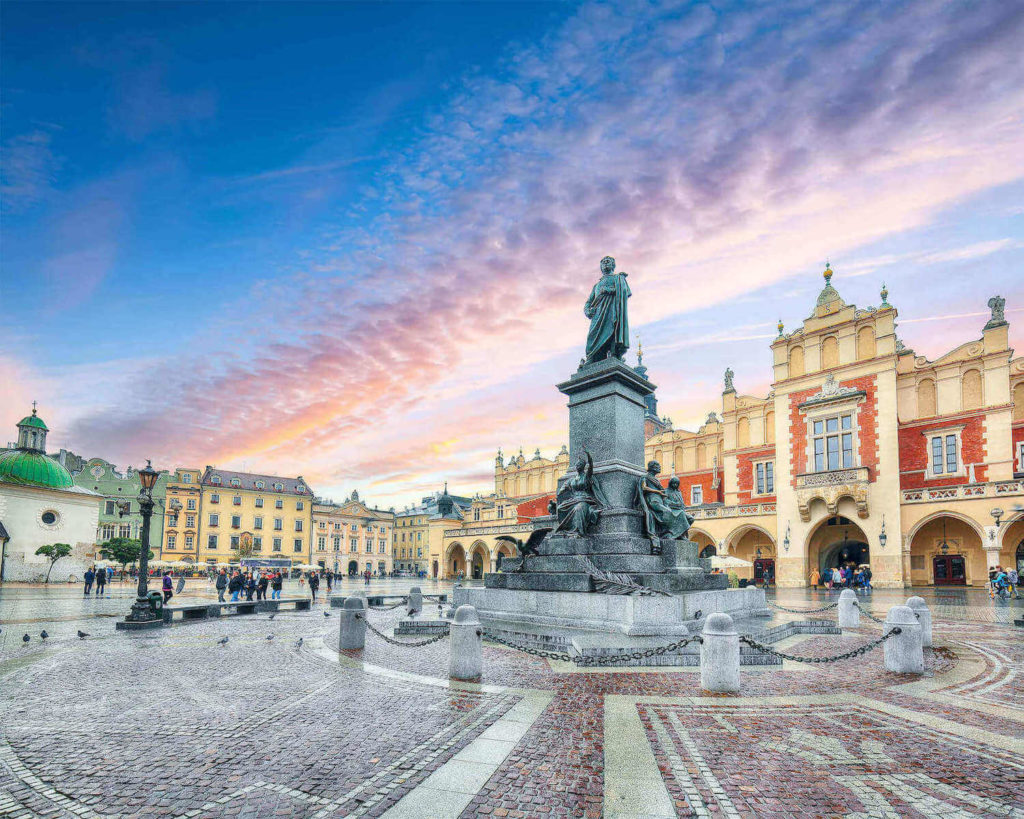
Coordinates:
column 142, row 614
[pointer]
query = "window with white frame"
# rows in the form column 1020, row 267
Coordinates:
column 257, row 544
column 186, row 478
column 321, row 543
column 190, row 521
column 259, row 503
column 764, row 478
column 214, row 519
column 832, row 442
column 190, row 503
column 277, row 544
column 696, row 495
column 189, row 541
column 1020, row 456
column 171, row 540
column 298, row 544
column 944, row 453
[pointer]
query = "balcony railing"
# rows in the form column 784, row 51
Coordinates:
column 741, row 510
column 995, row 489
column 836, row 477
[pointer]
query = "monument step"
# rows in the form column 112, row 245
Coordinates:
column 538, row 581
column 597, row 544
column 635, row 563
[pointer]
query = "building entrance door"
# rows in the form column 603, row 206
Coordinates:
column 353, row 568
column 478, row 566
column 762, row 564
column 949, row 570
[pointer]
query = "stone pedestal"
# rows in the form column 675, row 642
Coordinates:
column 466, row 660
column 352, row 633
column 720, row 656
column 849, row 613
column 924, row 617
column 415, row 600
column 904, row 653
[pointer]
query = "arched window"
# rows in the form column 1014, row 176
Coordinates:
column 1018, row 402
column 970, row 390
column 866, row 342
column 702, row 456
column 926, row 398
column 796, row 361
column 769, row 427
column 743, row 432
column 829, row 353
column 680, row 461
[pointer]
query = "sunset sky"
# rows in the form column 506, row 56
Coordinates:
column 353, row 242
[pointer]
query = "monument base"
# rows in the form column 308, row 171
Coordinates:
column 632, row 615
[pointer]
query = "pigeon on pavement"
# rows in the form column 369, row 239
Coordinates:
column 270, row 636
column 43, row 634
column 272, row 616
column 327, row 614
column 298, row 643
column 697, row 614
column 222, row 641
column 25, row 639
column 82, row 635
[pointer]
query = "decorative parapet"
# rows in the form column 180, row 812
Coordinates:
column 831, row 487
column 507, row 529
column 964, row 492
column 743, row 510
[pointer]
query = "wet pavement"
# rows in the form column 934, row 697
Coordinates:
column 175, row 723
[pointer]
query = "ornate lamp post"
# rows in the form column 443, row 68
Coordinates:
column 142, row 614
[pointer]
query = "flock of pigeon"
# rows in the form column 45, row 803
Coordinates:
column 44, row 636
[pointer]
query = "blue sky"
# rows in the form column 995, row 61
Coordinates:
column 351, row 241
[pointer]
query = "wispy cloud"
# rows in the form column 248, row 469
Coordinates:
column 29, row 169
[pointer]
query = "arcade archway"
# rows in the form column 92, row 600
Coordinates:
column 480, row 561
column 755, row 545
column 504, row 552
column 836, row 542
column 353, row 568
column 945, row 550
column 455, row 561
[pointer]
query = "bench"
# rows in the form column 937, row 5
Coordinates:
column 203, row 611
column 382, row 600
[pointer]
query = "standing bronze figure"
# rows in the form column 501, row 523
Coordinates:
column 607, row 310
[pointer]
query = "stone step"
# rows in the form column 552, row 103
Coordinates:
column 607, row 562
column 597, row 544
column 539, row 581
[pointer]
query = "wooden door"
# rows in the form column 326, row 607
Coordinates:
column 949, row 570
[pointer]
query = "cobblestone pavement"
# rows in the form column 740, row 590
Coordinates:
column 173, row 723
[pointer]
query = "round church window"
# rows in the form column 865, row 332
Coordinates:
column 49, row 518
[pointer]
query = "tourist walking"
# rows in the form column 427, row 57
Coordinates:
column 89, row 576
column 261, row 586
column 330, row 581
column 275, row 586
column 314, row 584
column 366, row 575
column 815, row 578
column 235, row 585
column 168, row 586
column 250, row 585
column 867, row 578
column 101, row 582
column 221, row 584
column 1013, row 580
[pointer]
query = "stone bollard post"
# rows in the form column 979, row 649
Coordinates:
column 924, row 617
column 353, row 623
column 849, row 614
column 720, row 655
column 415, row 600
column 903, row 651
column 466, row 645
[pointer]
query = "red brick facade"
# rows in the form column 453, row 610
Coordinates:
column 867, row 427
column 745, row 476
column 1017, row 435
column 703, row 479
column 533, row 508
column 914, row 451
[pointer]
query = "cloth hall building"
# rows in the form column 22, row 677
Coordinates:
column 863, row 452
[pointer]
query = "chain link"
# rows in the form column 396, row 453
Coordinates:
column 801, row 611
column 868, row 614
column 394, row 642
column 594, row 660
column 864, row 649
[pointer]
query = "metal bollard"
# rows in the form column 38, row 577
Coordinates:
column 849, row 614
column 720, row 655
column 353, row 624
column 924, row 617
column 466, row 661
column 903, row 651
column 415, row 600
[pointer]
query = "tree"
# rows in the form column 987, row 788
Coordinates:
column 123, row 550
column 54, row 551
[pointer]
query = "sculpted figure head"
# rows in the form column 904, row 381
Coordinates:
column 653, row 468
column 581, row 465
column 607, row 265
column 673, row 482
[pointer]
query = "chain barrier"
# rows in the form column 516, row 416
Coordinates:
column 401, row 602
column 870, row 616
column 864, row 649
column 595, row 660
column 801, row 611
column 394, row 642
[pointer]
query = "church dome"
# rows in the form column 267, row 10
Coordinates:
column 33, row 420
column 31, row 468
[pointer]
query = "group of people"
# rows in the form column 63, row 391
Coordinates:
column 1004, row 582
column 843, row 577
column 99, row 577
column 250, row 584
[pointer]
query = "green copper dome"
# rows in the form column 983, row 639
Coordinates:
column 33, row 420
column 31, row 468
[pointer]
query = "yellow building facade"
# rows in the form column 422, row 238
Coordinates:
column 353, row 537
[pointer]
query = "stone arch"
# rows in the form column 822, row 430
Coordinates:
column 743, row 432
column 741, row 532
column 353, row 568
column 708, row 551
column 796, row 361
column 926, row 398
column 829, row 353
column 701, row 538
column 866, row 343
column 745, row 542
column 972, row 394
column 769, row 427
column 455, row 560
column 479, row 560
column 503, row 551
column 836, row 541
column 962, row 563
column 1011, row 542
column 1018, row 401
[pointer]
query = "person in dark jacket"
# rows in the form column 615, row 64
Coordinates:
column 261, row 586
column 250, row 585
column 221, row 584
column 314, row 584
column 101, row 581
column 235, row 586
column 89, row 576
column 168, row 586
column 276, row 585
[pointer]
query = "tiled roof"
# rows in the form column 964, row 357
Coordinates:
column 248, row 480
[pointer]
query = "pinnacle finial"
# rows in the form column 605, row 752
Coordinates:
column 780, row 325
column 827, row 272
column 885, row 295
column 33, row 407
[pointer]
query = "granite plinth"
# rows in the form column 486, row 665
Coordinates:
column 669, row 583
column 581, row 609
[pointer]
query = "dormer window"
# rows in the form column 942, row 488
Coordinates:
column 260, row 485
column 215, row 480
column 278, row 487
column 235, row 482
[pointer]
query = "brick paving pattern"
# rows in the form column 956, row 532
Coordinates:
column 171, row 723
